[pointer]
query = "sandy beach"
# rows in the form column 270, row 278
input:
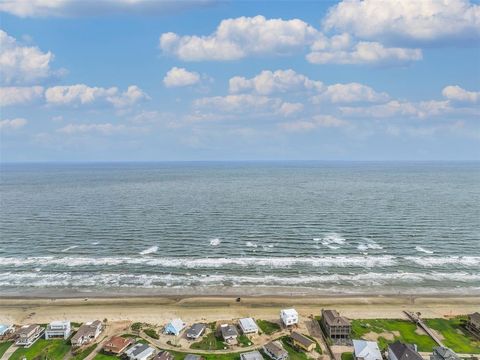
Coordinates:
column 159, row 310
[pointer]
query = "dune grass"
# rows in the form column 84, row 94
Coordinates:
column 268, row 327
column 347, row 356
column 454, row 335
column 51, row 349
column 208, row 342
column 405, row 328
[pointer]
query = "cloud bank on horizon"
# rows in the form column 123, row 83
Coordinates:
column 200, row 80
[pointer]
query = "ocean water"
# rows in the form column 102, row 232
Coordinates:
column 312, row 227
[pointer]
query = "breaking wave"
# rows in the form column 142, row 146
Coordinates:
column 150, row 250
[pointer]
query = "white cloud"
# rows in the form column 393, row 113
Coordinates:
column 342, row 49
column 238, row 103
column 82, row 94
column 456, row 93
column 288, row 109
column 240, row 37
column 22, row 64
column 393, row 108
column 42, row 8
column 19, row 95
column 12, row 124
column 268, row 82
column 318, row 121
column 177, row 77
column 102, row 128
column 351, row 92
column 406, row 20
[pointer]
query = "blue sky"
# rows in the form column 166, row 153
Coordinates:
column 152, row 81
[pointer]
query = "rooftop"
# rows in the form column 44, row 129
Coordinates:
column 332, row 317
column 302, row 339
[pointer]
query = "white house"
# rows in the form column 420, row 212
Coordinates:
column 248, row 326
column 289, row 317
column 6, row 329
column 140, row 352
column 58, row 330
column 366, row 350
column 175, row 327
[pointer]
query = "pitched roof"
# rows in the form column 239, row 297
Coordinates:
column 117, row 343
column 302, row 339
column 26, row 330
column 444, row 353
column 275, row 348
column 163, row 355
column 474, row 317
column 195, row 329
column 404, row 351
column 192, row 357
column 248, row 324
column 332, row 318
column 228, row 330
column 367, row 350
column 251, row 355
column 177, row 324
column 290, row 312
column 87, row 329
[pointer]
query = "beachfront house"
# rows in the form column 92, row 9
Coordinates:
column 401, row 351
column 248, row 326
column 473, row 323
column 163, row 355
column 195, row 331
column 443, row 353
column 251, row 355
column 275, row 350
column 140, row 352
column 116, row 345
column 174, row 327
column 87, row 333
column 336, row 327
column 229, row 333
column 58, row 330
column 27, row 335
column 6, row 330
column 366, row 350
column 302, row 342
column 289, row 317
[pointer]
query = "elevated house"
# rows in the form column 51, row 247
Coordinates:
column 27, row 335
column 401, row 351
column 87, row 333
column 289, row 317
column 163, row 355
column 336, row 327
column 116, row 345
column 366, row 350
column 58, row 330
column 6, row 330
column 195, row 331
column 473, row 323
column 302, row 342
column 174, row 327
column 443, row 353
column 248, row 326
column 251, row 355
column 229, row 333
column 140, row 352
column 275, row 351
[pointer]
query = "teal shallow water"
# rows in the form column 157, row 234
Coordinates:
column 332, row 227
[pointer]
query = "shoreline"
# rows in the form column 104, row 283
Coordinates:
column 161, row 309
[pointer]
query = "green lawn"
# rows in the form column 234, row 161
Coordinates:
column 84, row 353
column 209, row 342
column 268, row 327
column 244, row 340
column 455, row 337
column 4, row 346
column 292, row 353
column 105, row 357
column 53, row 349
column 347, row 356
column 405, row 328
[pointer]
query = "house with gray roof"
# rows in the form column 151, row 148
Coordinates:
column 443, row 353
column 366, row 350
column 473, row 323
column 401, row 351
column 251, row 355
column 140, row 352
column 195, row 331
column 275, row 350
column 193, row 357
column 229, row 333
column 335, row 326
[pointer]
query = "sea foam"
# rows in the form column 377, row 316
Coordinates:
column 150, row 250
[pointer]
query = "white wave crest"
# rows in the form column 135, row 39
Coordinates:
column 429, row 261
column 421, row 249
column 369, row 244
column 251, row 244
column 150, row 250
column 331, row 240
column 215, row 241
column 70, row 248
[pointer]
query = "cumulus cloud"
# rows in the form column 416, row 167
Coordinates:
column 238, row 103
column 318, row 121
column 81, row 94
column 12, row 124
column 393, row 108
column 288, row 109
column 177, row 77
column 101, row 128
column 240, row 37
column 456, row 93
column 349, row 93
column 70, row 8
column 22, row 64
column 15, row 95
column 268, row 82
column 342, row 49
column 400, row 21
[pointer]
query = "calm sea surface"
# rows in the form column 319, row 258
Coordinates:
column 213, row 227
